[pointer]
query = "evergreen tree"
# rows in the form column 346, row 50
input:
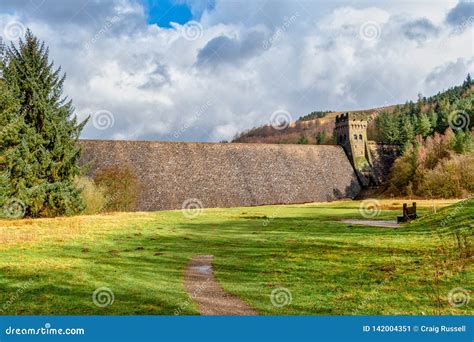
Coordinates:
column 321, row 137
column 468, row 82
column 10, row 126
column 407, row 132
column 443, row 110
column 392, row 133
column 433, row 120
column 415, row 122
column 388, row 125
column 463, row 141
column 334, row 137
column 42, row 159
column 424, row 125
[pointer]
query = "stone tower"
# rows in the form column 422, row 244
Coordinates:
column 352, row 135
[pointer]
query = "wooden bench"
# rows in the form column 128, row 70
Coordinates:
column 409, row 213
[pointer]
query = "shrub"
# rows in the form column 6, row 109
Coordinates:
column 432, row 167
column 92, row 195
column 403, row 171
column 302, row 140
column 450, row 178
column 121, row 188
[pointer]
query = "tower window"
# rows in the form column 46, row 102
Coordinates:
column 355, row 136
column 360, row 136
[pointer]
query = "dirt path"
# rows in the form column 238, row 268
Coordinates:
column 201, row 286
column 374, row 223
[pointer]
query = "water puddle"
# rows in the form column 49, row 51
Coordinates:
column 205, row 269
column 374, row 223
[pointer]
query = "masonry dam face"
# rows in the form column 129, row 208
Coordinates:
column 225, row 174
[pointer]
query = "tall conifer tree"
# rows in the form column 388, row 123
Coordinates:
column 42, row 159
column 424, row 125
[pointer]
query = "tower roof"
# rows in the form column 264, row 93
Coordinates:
column 343, row 117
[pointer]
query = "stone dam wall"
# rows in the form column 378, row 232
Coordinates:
column 226, row 174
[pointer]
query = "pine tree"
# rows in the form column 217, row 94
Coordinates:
column 424, row 125
column 433, row 120
column 388, row 125
column 443, row 109
column 334, row 137
column 321, row 137
column 463, row 141
column 415, row 122
column 42, row 160
column 10, row 126
column 407, row 132
column 468, row 82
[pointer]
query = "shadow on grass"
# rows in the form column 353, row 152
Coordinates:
column 329, row 267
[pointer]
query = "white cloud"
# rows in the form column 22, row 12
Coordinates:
column 160, row 85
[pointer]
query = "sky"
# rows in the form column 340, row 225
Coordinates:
column 204, row 70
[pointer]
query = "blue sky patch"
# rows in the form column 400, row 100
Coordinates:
column 163, row 12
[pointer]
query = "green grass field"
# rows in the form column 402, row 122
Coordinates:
column 52, row 266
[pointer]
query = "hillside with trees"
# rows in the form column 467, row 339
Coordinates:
column 397, row 124
column 434, row 135
column 436, row 139
column 313, row 128
column 449, row 109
